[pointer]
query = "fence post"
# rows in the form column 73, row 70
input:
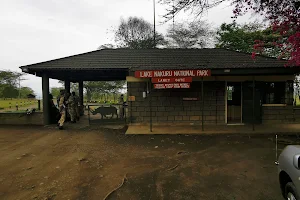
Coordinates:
column 39, row 104
column 89, row 113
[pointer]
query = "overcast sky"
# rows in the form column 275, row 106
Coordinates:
column 39, row 30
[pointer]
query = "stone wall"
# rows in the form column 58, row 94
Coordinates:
column 168, row 105
column 279, row 114
column 21, row 119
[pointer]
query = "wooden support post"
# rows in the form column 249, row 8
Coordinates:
column 150, row 104
column 216, row 94
column 253, row 105
column 46, row 109
column 67, row 86
column 80, row 93
column 39, row 104
column 241, row 102
column 202, row 97
column 130, row 103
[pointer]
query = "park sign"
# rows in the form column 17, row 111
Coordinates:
column 172, row 73
column 171, row 85
column 173, row 80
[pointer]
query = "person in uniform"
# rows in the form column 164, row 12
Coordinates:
column 76, row 98
column 121, row 104
column 71, row 108
column 54, row 112
column 62, row 109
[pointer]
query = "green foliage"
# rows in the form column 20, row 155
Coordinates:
column 9, row 91
column 242, row 37
column 136, row 33
column 9, row 78
column 97, row 88
column 55, row 91
column 9, row 85
column 25, row 91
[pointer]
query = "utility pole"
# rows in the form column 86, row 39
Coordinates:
column 19, row 87
column 173, row 15
column 154, row 39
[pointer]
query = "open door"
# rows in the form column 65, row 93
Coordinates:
column 234, row 103
column 252, row 113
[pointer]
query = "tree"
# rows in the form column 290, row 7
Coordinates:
column 9, row 78
column 283, row 16
column 25, row 91
column 10, row 91
column 136, row 33
column 242, row 37
column 106, row 46
column 74, row 87
column 196, row 7
column 9, row 83
column 55, row 91
column 196, row 34
column 103, row 87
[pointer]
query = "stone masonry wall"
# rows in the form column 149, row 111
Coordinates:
column 168, row 105
column 21, row 119
column 279, row 114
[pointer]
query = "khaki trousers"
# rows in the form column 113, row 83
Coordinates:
column 62, row 118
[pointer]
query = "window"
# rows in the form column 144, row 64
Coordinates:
column 230, row 90
column 278, row 93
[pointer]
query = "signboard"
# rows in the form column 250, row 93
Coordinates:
column 171, row 85
column 172, row 80
column 172, row 73
column 131, row 98
column 190, row 98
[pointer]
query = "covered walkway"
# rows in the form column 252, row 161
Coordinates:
column 215, row 130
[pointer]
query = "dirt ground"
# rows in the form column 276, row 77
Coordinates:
column 44, row 163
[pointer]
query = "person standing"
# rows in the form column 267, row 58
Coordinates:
column 62, row 109
column 71, row 108
column 54, row 112
column 76, row 99
column 121, row 106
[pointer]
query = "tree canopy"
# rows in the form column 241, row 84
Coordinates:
column 9, row 85
column 25, row 91
column 103, row 87
column 283, row 17
column 242, row 37
column 55, row 91
column 136, row 33
column 196, row 34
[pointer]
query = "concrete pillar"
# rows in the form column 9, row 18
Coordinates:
column 80, row 93
column 46, row 109
column 67, row 85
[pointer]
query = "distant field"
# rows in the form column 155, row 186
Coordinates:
column 297, row 101
column 7, row 103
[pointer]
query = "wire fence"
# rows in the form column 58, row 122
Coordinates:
column 102, row 114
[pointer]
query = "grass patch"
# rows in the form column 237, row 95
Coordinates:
column 7, row 103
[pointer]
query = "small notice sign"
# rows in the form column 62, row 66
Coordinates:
column 131, row 98
column 190, row 99
column 173, row 80
column 172, row 85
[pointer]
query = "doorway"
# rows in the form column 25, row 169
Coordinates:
column 234, row 103
column 252, row 110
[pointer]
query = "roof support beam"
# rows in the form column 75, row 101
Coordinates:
column 67, row 86
column 80, row 92
column 46, row 108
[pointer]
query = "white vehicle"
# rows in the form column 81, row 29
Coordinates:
column 289, row 172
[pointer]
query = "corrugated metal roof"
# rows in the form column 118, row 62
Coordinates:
column 159, row 59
